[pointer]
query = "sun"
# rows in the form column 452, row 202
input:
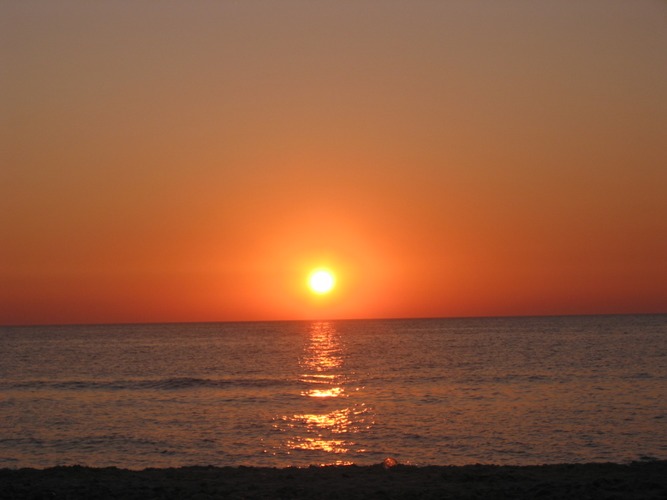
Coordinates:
column 321, row 281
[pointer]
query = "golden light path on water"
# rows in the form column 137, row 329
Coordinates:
column 332, row 426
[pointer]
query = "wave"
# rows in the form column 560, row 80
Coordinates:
column 165, row 384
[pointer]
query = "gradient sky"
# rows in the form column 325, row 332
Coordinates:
column 192, row 161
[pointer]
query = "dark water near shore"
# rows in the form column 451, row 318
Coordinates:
column 451, row 391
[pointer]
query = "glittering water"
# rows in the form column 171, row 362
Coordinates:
column 451, row 391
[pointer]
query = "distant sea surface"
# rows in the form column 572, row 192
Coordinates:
column 429, row 391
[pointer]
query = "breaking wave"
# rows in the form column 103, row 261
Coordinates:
column 166, row 384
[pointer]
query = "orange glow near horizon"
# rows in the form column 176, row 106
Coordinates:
column 450, row 159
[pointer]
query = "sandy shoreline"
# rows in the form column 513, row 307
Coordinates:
column 639, row 480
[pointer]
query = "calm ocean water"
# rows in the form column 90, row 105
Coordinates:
column 450, row 391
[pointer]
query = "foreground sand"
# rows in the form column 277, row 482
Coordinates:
column 604, row 481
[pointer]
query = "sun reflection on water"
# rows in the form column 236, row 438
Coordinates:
column 324, row 350
column 326, row 420
column 322, row 361
column 332, row 392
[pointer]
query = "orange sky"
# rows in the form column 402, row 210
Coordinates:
column 174, row 161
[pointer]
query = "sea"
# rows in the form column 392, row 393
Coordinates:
column 517, row 391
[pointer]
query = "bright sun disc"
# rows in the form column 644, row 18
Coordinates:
column 321, row 281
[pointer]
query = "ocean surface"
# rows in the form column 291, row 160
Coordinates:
column 429, row 391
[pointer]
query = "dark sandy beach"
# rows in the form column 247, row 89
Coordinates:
column 639, row 480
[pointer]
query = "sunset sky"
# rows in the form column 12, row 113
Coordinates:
column 194, row 161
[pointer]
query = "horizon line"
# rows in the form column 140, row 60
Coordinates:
column 396, row 318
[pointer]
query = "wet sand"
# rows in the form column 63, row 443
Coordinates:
column 639, row 480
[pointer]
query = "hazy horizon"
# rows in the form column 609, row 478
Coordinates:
column 327, row 320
